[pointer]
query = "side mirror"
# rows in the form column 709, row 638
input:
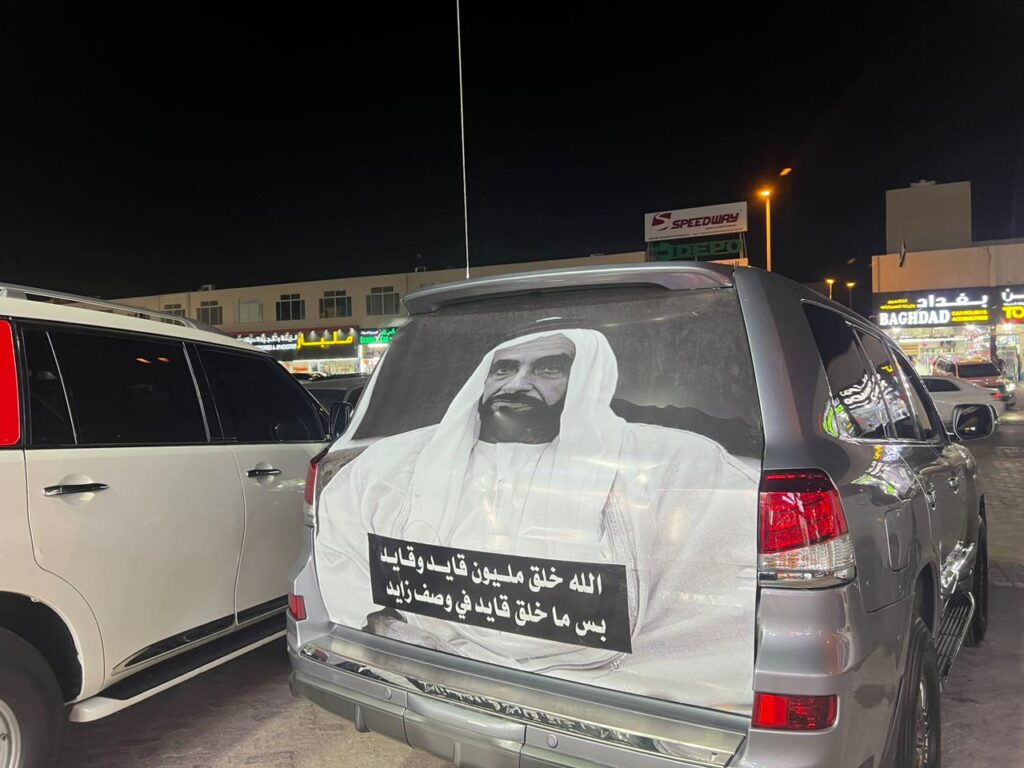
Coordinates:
column 973, row 422
column 341, row 415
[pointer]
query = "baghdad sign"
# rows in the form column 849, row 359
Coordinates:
column 696, row 222
column 987, row 305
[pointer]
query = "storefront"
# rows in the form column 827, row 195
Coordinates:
column 330, row 352
column 373, row 343
column 979, row 322
column 326, row 351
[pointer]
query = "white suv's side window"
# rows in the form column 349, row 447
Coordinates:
column 129, row 390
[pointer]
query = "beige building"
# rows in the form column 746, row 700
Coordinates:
column 952, row 298
column 340, row 325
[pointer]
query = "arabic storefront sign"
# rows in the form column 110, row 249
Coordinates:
column 305, row 343
column 965, row 306
column 575, row 603
column 685, row 250
column 376, row 335
column 696, row 222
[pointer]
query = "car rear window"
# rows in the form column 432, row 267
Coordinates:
column 683, row 359
column 977, row 370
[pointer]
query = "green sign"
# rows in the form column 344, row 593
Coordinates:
column 376, row 335
column 708, row 250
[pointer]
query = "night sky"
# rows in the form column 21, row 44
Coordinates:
column 151, row 148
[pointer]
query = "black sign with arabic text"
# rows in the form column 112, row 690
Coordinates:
column 569, row 602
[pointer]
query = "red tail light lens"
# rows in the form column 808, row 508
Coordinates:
column 997, row 395
column 310, row 492
column 794, row 713
column 10, row 411
column 297, row 607
column 799, row 509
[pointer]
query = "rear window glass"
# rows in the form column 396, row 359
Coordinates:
column 682, row 359
column 976, row 370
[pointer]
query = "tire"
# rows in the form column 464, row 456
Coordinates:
column 979, row 589
column 31, row 708
column 919, row 731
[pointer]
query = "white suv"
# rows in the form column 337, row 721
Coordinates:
column 152, row 476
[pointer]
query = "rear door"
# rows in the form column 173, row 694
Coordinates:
column 274, row 428
column 129, row 502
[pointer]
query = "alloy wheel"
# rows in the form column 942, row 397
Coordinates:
column 10, row 737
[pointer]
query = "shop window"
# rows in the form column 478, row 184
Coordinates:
column 250, row 312
column 174, row 309
column 335, row 304
column 210, row 312
column 291, row 307
column 383, row 300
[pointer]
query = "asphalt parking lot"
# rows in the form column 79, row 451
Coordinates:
column 242, row 714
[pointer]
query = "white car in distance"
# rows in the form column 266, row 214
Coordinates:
column 949, row 391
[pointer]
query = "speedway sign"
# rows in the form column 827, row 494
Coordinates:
column 695, row 222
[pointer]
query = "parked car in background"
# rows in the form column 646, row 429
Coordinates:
column 307, row 375
column 980, row 371
column 949, row 391
column 152, row 477
column 519, row 557
column 345, row 388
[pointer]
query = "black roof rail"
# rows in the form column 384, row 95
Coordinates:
column 672, row 276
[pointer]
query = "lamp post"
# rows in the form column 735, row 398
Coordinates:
column 849, row 287
column 767, row 195
column 830, row 281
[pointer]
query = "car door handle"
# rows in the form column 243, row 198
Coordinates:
column 954, row 482
column 68, row 490
column 930, row 495
column 263, row 472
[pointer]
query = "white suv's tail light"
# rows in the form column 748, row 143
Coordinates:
column 10, row 411
column 309, row 494
column 803, row 536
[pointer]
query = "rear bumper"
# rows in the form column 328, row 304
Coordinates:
column 481, row 735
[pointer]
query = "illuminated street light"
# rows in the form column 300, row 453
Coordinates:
column 767, row 195
column 830, row 281
column 785, row 172
column 849, row 287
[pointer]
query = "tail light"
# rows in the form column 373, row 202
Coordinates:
column 309, row 493
column 794, row 713
column 297, row 607
column 10, row 411
column 997, row 395
column 804, row 539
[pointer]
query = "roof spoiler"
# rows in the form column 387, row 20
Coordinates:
column 671, row 276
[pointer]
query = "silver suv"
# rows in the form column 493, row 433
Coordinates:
column 646, row 515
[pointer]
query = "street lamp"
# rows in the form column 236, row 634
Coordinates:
column 767, row 195
column 849, row 287
column 830, row 281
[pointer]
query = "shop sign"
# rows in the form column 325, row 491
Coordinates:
column 696, row 222
column 708, row 250
column 376, row 335
column 287, row 341
column 986, row 305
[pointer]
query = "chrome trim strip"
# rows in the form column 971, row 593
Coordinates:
column 692, row 751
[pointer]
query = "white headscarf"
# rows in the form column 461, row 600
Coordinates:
column 575, row 477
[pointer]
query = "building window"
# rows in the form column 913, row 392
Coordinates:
column 250, row 312
column 291, row 307
column 335, row 304
column 210, row 312
column 382, row 301
column 174, row 309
